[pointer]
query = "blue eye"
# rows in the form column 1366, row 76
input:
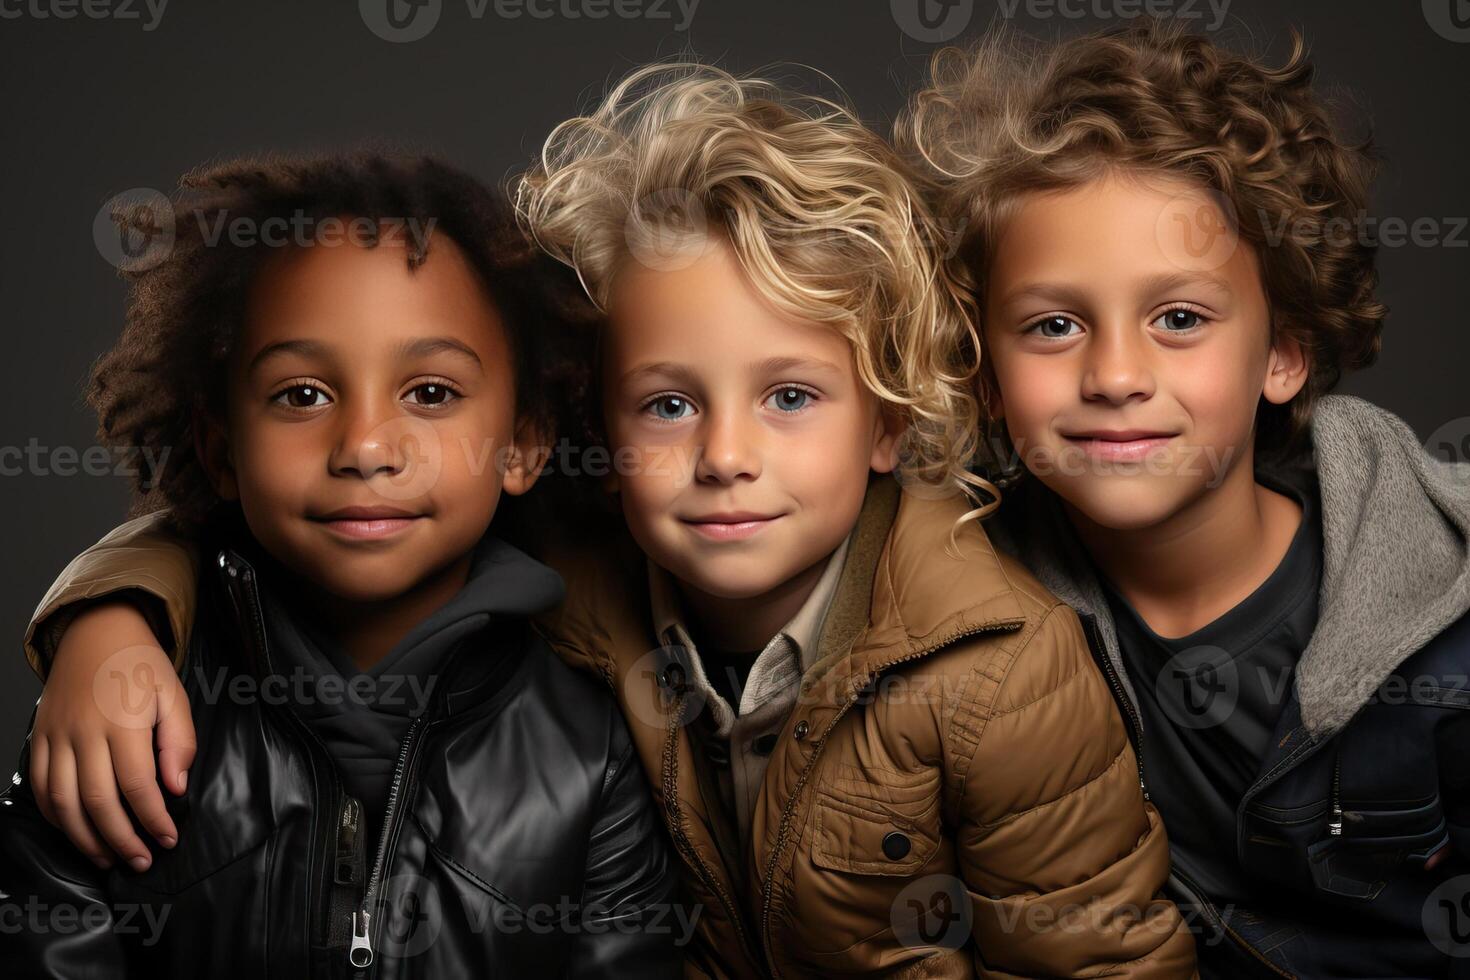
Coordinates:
column 670, row 408
column 301, row 396
column 1180, row 319
column 1054, row 327
column 789, row 399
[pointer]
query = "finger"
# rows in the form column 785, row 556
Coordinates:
column 176, row 743
column 98, row 783
column 66, row 803
column 132, row 758
column 40, row 759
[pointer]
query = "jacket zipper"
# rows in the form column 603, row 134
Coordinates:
column 1206, row 907
column 1334, row 826
column 1135, row 723
column 360, row 955
column 784, row 829
column 676, row 822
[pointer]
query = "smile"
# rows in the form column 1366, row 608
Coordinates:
column 731, row 527
column 1120, row 446
column 368, row 523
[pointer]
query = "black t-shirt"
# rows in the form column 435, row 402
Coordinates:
column 1210, row 701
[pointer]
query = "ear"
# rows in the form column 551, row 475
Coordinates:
column 527, row 457
column 212, row 446
column 888, row 429
column 1286, row 370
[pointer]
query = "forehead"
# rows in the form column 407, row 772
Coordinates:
column 707, row 311
column 1119, row 228
column 357, row 296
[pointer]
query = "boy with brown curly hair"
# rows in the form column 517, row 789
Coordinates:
column 1161, row 242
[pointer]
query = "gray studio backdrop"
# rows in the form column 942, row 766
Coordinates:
column 103, row 96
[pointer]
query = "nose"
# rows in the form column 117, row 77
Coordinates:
column 367, row 444
column 730, row 451
column 1117, row 368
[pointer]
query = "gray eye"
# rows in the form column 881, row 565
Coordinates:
column 670, row 407
column 789, row 399
column 1179, row 320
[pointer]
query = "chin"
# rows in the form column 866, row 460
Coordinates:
column 1123, row 506
column 735, row 580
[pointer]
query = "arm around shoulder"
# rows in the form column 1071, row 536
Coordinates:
column 141, row 561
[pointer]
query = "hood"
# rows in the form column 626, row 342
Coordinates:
column 1395, row 564
column 502, row 581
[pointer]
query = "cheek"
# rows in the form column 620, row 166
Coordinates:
column 275, row 462
column 1220, row 388
column 1034, row 389
column 828, row 461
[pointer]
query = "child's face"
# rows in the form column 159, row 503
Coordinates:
column 1130, row 360
column 746, row 438
column 369, row 408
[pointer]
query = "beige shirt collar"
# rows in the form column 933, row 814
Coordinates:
column 778, row 667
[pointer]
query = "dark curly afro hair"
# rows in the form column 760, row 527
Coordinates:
column 185, row 311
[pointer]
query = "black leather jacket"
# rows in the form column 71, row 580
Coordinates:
column 519, row 837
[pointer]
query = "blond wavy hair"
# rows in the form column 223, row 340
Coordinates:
column 1011, row 116
column 818, row 210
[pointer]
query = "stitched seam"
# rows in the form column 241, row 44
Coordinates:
column 1073, row 676
column 1008, row 818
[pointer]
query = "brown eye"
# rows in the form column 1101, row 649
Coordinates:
column 432, row 394
column 303, row 396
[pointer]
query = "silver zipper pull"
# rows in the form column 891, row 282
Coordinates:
column 361, row 954
column 1334, row 826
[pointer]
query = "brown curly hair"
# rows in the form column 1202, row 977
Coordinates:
column 1012, row 116
column 184, row 313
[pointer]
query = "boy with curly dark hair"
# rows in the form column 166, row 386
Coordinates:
column 349, row 359
column 1162, row 238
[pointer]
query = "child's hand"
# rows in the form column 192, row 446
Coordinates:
column 110, row 685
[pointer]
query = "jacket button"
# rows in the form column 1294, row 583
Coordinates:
column 895, row 845
column 801, row 729
column 765, row 744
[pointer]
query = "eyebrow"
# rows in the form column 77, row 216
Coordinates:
column 769, row 365
column 418, row 347
column 1154, row 284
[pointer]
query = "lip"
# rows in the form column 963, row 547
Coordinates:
column 732, row 525
column 1120, row 445
column 368, row 523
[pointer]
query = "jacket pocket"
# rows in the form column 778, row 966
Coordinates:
column 1378, row 844
column 876, row 822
